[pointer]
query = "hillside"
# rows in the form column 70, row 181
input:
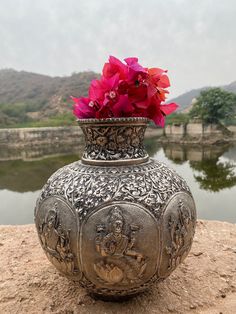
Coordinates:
column 30, row 99
column 28, row 96
column 185, row 99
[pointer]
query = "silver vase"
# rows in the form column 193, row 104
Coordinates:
column 117, row 220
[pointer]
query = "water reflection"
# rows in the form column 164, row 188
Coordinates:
column 39, row 151
column 152, row 146
column 23, row 176
column 205, row 168
column 30, row 173
column 181, row 153
column 212, row 174
column 24, row 170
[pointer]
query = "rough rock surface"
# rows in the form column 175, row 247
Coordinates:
column 204, row 283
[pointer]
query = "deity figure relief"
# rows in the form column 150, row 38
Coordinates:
column 179, row 229
column 56, row 241
column 119, row 262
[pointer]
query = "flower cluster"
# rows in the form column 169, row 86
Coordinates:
column 126, row 90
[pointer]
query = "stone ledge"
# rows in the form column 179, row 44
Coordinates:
column 204, row 283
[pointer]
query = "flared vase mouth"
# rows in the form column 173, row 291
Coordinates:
column 114, row 120
column 114, row 141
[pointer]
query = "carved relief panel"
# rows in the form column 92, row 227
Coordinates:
column 178, row 227
column 57, row 229
column 115, row 250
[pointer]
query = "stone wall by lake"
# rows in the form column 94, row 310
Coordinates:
column 177, row 130
column 32, row 143
column 195, row 130
column 34, row 136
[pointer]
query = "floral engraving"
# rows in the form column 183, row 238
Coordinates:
column 119, row 261
column 150, row 184
column 114, row 142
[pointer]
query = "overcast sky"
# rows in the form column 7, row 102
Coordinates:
column 194, row 39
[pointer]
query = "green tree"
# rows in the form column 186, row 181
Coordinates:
column 214, row 105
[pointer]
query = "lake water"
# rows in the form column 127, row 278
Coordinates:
column 210, row 171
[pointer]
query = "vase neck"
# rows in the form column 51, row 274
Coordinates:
column 114, row 141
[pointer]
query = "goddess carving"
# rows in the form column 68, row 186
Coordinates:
column 179, row 230
column 55, row 240
column 120, row 262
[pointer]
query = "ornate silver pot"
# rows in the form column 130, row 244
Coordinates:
column 116, row 221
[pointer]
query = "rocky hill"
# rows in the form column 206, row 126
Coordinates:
column 26, row 96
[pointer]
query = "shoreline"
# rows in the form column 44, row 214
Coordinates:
column 195, row 141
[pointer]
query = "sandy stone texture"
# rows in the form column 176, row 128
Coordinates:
column 204, row 283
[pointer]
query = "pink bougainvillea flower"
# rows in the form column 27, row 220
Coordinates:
column 104, row 112
column 114, row 66
column 133, row 65
column 96, row 91
column 84, row 108
column 156, row 82
column 138, row 93
column 126, row 71
column 127, row 90
column 154, row 75
column 168, row 108
column 160, row 94
column 104, row 88
column 123, row 107
column 131, row 61
column 157, row 112
column 123, row 87
column 164, row 81
column 159, row 118
column 135, row 71
column 156, row 72
column 99, row 88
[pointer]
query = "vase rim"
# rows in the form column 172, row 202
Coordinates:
column 113, row 120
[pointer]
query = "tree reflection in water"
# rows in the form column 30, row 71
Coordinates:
column 213, row 173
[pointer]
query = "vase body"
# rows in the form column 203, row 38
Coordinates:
column 116, row 221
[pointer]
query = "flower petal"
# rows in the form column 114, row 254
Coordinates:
column 123, row 108
column 131, row 60
column 156, row 71
column 159, row 119
column 164, row 81
column 82, row 109
column 114, row 66
column 168, row 108
column 96, row 91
